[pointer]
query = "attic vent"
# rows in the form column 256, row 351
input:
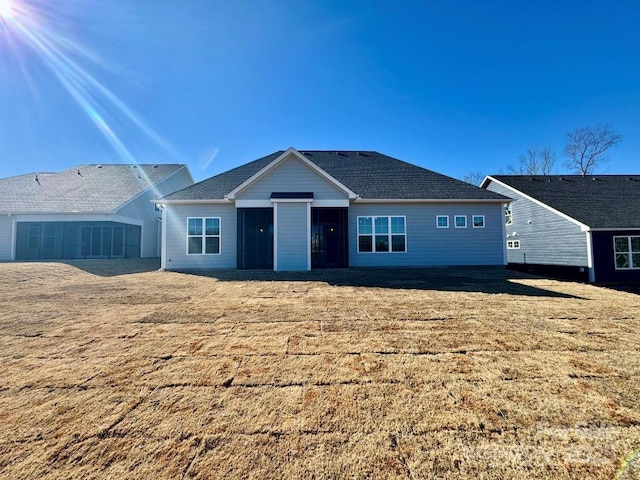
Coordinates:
column 98, row 166
column 362, row 154
column 308, row 154
column 37, row 180
column 155, row 166
column 633, row 179
column 341, row 154
column 79, row 172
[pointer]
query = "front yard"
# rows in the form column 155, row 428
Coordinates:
column 115, row 370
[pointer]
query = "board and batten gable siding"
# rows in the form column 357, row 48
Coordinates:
column 291, row 175
column 292, row 236
column 142, row 208
column 176, row 216
column 6, row 237
column 427, row 245
column 545, row 237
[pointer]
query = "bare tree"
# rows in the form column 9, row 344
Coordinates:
column 474, row 178
column 535, row 162
column 586, row 147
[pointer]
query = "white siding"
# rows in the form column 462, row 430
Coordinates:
column 545, row 237
column 176, row 238
column 292, row 176
column 143, row 209
column 292, row 236
column 6, row 237
column 428, row 245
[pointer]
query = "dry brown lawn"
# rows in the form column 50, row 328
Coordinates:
column 115, row 370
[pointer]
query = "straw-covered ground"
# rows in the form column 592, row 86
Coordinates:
column 115, row 370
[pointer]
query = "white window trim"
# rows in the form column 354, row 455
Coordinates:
column 508, row 218
column 513, row 244
column 629, row 252
column 438, row 223
column 455, row 221
column 373, row 233
column 473, row 223
column 204, row 236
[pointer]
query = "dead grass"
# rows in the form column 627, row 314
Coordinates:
column 114, row 370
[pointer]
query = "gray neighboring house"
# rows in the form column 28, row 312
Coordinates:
column 301, row 210
column 88, row 211
column 587, row 226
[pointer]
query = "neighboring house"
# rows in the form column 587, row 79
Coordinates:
column 88, row 211
column 301, row 210
column 584, row 225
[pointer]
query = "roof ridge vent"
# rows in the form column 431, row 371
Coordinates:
column 342, row 154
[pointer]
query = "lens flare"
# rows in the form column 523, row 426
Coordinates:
column 30, row 26
column 7, row 10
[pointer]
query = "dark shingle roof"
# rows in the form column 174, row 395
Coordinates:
column 81, row 189
column 371, row 175
column 598, row 201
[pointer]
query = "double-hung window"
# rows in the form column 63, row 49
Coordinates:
column 203, row 236
column 627, row 252
column 382, row 234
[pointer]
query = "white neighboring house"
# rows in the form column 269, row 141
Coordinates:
column 88, row 211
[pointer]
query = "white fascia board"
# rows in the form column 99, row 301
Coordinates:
column 78, row 217
column 582, row 226
column 291, row 151
column 613, row 229
column 253, row 203
column 160, row 201
column 431, row 200
column 331, row 203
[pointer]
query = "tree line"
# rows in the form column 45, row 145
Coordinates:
column 585, row 151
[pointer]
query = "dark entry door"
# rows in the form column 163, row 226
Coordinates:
column 329, row 238
column 255, row 238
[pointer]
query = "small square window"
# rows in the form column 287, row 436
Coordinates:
column 442, row 221
column 461, row 221
column 513, row 244
column 478, row 221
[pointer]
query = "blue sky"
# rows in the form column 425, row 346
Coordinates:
column 454, row 86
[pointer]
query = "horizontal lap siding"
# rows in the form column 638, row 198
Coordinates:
column 291, row 176
column 6, row 237
column 428, row 245
column 545, row 237
column 176, row 239
column 292, row 236
column 143, row 209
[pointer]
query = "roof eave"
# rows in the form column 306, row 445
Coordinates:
column 433, row 200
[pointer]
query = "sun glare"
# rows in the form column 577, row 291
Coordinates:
column 7, row 9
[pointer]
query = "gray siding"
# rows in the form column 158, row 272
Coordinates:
column 292, row 234
column 545, row 237
column 428, row 245
column 6, row 235
column 291, row 175
column 143, row 209
column 176, row 228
